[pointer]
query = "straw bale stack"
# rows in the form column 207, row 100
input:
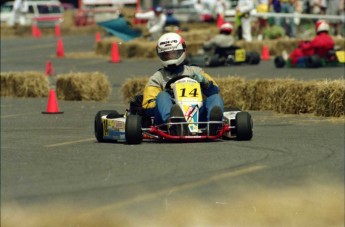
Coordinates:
column 289, row 96
column 83, row 86
column 24, row 84
column 330, row 98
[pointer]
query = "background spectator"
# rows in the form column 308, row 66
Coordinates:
column 335, row 7
column 243, row 9
column 262, row 7
column 156, row 21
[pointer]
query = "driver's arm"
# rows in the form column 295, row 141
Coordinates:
column 150, row 94
column 151, row 90
column 211, row 87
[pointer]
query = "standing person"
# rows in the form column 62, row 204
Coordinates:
column 318, row 6
column 288, row 6
column 20, row 8
column 262, row 7
column 243, row 9
column 335, row 7
column 320, row 45
column 157, row 102
column 156, row 21
column 220, row 7
column 285, row 6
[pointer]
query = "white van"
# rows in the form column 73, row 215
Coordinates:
column 44, row 13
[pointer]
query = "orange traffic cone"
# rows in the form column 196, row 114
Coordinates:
column 265, row 55
column 60, row 49
column 49, row 68
column 57, row 30
column 115, row 56
column 220, row 20
column 52, row 106
column 98, row 37
column 35, row 31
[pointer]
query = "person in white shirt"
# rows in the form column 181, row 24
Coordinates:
column 220, row 7
column 243, row 9
column 20, row 8
column 156, row 21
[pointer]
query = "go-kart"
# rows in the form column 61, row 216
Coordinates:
column 135, row 126
column 335, row 57
column 233, row 55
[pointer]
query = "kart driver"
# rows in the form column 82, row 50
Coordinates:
column 157, row 102
column 222, row 40
column 320, row 45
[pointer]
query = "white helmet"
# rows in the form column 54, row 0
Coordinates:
column 226, row 27
column 321, row 26
column 171, row 49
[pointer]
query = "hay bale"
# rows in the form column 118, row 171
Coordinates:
column 232, row 90
column 294, row 97
column 330, row 98
column 83, row 86
column 133, row 87
column 259, row 93
column 287, row 96
column 24, row 84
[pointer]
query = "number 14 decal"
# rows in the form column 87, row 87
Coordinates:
column 192, row 93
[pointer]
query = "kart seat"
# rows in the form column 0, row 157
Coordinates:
column 226, row 51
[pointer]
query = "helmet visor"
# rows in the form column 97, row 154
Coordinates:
column 170, row 55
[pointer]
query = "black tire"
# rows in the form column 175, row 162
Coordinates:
column 98, row 126
column 254, row 58
column 313, row 61
column 133, row 130
column 244, row 126
column 279, row 62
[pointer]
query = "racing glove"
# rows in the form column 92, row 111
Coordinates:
column 201, row 79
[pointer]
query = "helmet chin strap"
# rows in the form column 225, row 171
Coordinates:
column 174, row 69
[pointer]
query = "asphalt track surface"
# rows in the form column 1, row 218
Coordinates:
column 54, row 158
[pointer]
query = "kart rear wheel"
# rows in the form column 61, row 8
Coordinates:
column 244, row 126
column 133, row 130
column 279, row 62
column 98, row 126
column 253, row 58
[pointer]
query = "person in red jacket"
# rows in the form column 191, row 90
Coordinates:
column 320, row 45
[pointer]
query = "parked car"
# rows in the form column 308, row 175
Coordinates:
column 44, row 13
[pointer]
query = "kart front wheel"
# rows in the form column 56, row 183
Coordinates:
column 244, row 126
column 279, row 62
column 133, row 130
column 98, row 126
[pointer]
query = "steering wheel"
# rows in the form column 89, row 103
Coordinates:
column 173, row 80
